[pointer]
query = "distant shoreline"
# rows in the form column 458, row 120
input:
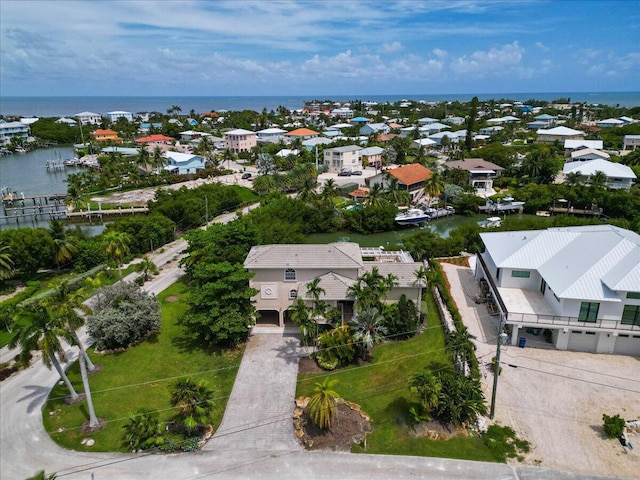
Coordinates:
column 49, row 106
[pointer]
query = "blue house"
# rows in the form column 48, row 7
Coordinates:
column 359, row 121
column 183, row 163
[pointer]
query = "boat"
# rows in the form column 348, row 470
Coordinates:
column 508, row 204
column 491, row 222
column 412, row 216
column 434, row 213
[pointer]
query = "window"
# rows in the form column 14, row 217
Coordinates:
column 289, row 275
column 293, row 294
column 520, row 273
column 634, row 295
column 588, row 312
column 631, row 315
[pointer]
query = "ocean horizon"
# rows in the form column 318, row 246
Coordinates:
column 70, row 106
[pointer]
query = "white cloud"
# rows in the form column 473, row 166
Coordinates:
column 393, row 47
column 439, row 52
column 495, row 59
column 542, row 46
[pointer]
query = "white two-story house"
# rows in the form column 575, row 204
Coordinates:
column 581, row 283
column 348, row 157
column 282, row 273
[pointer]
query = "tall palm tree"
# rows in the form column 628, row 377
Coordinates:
column 193, row 402
column 157, row 157
column 36, row 329
column 598, row 181
column 117, row 247
column 573, row 179
column 143, row 159
column 322, row 406
column 375, row 195
column 147, row 268
column 64, row 244
column 319, row 307
column 459, row 344
column 368, row 329
column 6, row 262
column 329, row 189
column 433, row 187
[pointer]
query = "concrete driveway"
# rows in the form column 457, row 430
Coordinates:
column 555, row 399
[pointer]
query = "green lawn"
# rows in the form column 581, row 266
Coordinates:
column 141, row 377
column 381, row 389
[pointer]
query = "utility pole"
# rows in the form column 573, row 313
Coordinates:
column 496, row 368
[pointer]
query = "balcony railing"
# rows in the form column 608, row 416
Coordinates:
column 573, row 322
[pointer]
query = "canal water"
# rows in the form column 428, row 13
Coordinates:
column 26, row 173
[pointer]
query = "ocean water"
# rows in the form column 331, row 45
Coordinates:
column 69, row 106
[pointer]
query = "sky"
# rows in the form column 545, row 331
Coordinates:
column 271, row 47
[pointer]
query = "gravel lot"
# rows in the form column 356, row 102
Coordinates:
column 555, row 399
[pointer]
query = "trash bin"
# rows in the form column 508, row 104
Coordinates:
column 522, row 342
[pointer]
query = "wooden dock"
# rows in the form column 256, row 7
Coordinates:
column 595, row 212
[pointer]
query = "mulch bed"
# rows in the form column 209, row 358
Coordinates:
column 348, row 427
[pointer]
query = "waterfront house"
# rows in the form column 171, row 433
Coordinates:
column 481, row 172
column 116, row 114
column 411, row 178
column 631, row 142
column 183, row 163
column 558, row 134
column 619, row 176
column 102, row 135
column 573, row 145
column 346, row 158
column 10, row 130
column 281, row 274
column 89, row 118
column 240, row 140
column 582, row 284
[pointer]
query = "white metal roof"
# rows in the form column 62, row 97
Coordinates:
column 572, row 144
column 240, row 131
column 590, row 167
column 560, row 131
column 588, row 262
column 328, row 257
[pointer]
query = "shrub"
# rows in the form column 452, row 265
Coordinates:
column 503, row 443
column 126, row 316
column 613, row 426
column 336, row 348
column 402, row 319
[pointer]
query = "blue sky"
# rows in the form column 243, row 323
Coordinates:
column 192, row 47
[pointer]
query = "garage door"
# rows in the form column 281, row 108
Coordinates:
column 627, row 345
column 581, row 341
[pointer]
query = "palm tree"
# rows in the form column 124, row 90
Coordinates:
column 64, row 246
column 598, row 181
column 36, row 329
column 319, row 307
column 147, row 268
column 193, row 402
column 157, row 158
column 433, row 187
column 368, row 329
column 329, row 189
column 375, row 195
column 459, row 344
column 143, row 431
column 322, row 406
column 300, row 315
column 6, row 262
column 573, row 179
column 428, row 387
column 117, row 247
column 143, row 159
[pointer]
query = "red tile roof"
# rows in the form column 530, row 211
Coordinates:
column 301, row 132
column 412, row 173
column 360, row 192
column 155, row 138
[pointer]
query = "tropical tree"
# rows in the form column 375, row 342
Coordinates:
column 36, row 329
column 573, row 179
column 319, row 307
column 63, row 243
column 375, row 195
column 117, row 247
column 433, row 187
column 6, row 262
column 322, row 406
column 598, row 181
column 301, row 315
column 368, row 327
column 397, row 195
column 461, row 399
column 329, row 189
column 157, row 157
column 143, row 159
column 147, row 268
column 459, row 344
column 193, row 403
column 428, row 388
column 143, row 431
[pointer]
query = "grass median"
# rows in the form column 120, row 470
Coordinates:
column 141, row 377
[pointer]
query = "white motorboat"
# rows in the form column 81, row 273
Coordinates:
column 491, row 222
column 413, row 216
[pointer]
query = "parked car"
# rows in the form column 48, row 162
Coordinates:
column 344, row 173
column 245, row 176
column 356, row 172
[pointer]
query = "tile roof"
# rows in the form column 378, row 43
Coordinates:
column 412, row 173
column 335, row 287
column 405, row 272
column 301, row 132
column 469, row 164
column 155, row 138
column 332, row 256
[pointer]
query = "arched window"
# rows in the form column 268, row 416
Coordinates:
column 289, row 275
column 293, row 294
